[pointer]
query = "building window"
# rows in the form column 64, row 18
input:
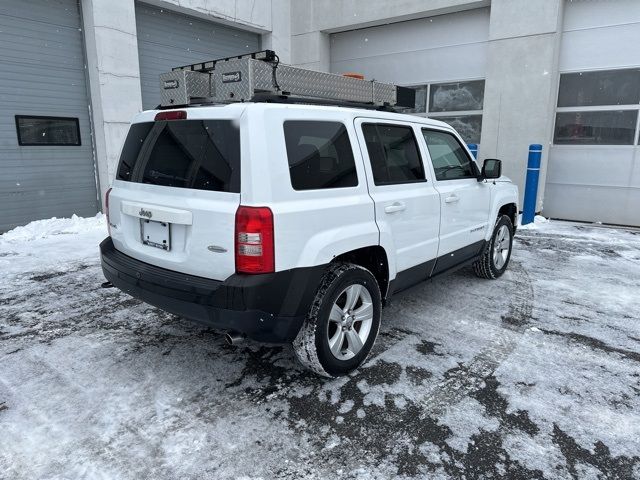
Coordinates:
column 455, row 97
column 459, row 104
column 421, row 99
column 47, row 131
column 609, row 87
column 607, row 127
column 598, row 108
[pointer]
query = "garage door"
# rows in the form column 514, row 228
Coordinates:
column 440, row 48
column 443, row 57
column 167, row 39
column 594, row 160
column 45, row 142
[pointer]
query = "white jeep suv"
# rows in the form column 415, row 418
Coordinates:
column 295, row 223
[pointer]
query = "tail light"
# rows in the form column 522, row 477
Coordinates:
column 106, row 209
column 254, row 240
column 171, row 115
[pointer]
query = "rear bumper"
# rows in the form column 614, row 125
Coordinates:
column 268, row 308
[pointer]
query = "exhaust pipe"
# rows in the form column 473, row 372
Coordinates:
column 234, row 338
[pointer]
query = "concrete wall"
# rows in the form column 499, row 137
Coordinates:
column 279, row 37
column 521, row 83
column 114, row 80
column 113, row 68
column 250, row 14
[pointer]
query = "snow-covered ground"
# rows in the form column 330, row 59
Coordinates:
column 535, row 375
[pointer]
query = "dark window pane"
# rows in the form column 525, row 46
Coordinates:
column 393, row 153
column 200, row 154
column 468, row 126
column 611, row 87
column 421, row 100
column 320, row 155
column 47, row 131
column 453, row 97
column 450, row 160
column 595, row 128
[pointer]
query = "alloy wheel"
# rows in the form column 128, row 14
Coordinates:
column 350, row 322
column 501, row 247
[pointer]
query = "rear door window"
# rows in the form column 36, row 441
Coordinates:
column 393, row 152
column 320, row 155
column 198, row 154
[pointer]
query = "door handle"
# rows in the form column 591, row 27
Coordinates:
column 395, row 207
column 452, row 199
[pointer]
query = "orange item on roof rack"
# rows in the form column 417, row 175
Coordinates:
column 359, row 76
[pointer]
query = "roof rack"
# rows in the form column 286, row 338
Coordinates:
column 260, row 77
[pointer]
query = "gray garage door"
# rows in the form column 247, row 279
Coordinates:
column 593, row 169
column 168, row 39
column 42, row 75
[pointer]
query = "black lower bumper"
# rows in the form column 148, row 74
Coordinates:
column 268, row 308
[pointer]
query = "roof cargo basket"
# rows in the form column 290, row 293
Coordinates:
column 260, row 76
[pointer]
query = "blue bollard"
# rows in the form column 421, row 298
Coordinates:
column 473, row 147
column 531, row 184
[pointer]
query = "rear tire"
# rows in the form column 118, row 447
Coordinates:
column 497, row 253
column 343, row 321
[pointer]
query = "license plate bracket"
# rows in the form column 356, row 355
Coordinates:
column 155, row 234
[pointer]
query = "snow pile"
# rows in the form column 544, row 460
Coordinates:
column 55, row 243
column 537, row 221
column 53, row 226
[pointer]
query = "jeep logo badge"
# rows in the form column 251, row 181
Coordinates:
column 231, row 77
column 145, row 213
column 168, row 84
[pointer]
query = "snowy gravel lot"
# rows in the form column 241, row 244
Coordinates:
column 535, row 375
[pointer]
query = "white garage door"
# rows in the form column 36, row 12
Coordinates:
column 594, row 162
column 46, row 156
column 444, row 57
column 168, row 39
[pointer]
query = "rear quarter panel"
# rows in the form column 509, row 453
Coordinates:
column 312, row 227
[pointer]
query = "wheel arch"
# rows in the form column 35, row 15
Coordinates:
column 504, row 202
column 373, row 258
column 510, row 210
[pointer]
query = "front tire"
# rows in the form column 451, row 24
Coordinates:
column 496, row 256
column 343, row 321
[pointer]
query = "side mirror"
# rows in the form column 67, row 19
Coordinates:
column 492, row 168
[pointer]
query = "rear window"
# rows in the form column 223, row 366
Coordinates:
column 320, row 155
column 198, row 154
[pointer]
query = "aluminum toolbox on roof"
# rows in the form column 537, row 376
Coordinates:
column 260, row 74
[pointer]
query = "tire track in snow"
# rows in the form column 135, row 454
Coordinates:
column 467, row 378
